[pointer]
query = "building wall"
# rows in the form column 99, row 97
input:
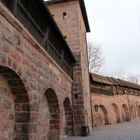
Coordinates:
column 6, row 109
column 115, row 108
column 38, row 100
column 33, row 87
column 73, row 28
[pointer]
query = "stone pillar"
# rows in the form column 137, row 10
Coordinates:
column 71, row 21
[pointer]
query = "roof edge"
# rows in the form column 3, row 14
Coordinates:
column 116, row 81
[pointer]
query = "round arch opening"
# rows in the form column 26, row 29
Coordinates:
column 117, row 113
column 14, row 106
column 68, row 117
column 54, row 121
column 139, row 111
column 102, row 115
column 125, row 113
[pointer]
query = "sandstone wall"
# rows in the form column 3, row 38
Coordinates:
column 69, row 18
column 33, row 87
column 116, row 109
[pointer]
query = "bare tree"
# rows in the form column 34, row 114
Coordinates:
column 133, row 78
column 95, row 58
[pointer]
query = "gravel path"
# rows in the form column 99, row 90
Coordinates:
column 122, row 131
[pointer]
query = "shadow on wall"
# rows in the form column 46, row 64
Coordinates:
column 101, row 116
column 54, row 122
column 14, row 105
column 139, row 112
column 117, row 113
column 125, row 113
column 68, row 118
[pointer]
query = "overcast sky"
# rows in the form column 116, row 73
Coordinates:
column 115, row 25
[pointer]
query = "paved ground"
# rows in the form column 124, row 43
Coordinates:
column 123, row 131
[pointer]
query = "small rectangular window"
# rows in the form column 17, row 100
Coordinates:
column 64, row 15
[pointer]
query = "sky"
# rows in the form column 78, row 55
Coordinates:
column 115, row 25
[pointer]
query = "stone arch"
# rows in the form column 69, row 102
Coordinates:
column 68, row 117
column 54, row 121
column 139, row 111
column 117, row 113
column 104, row 115
column 125, row 113
column 14, row 106
column 132, row 111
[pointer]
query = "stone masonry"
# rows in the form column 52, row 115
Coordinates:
column 33, row 88
column 39, row 99
column 114, row 100
column 70, row 19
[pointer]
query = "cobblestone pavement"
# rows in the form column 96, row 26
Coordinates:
column 123, row 131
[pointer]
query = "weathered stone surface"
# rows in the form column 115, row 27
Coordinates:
column 73, row 27
column 27, row 74
column 22, row 117
column 110, row 104
column 3, row 90
column 7, row 104
column 33, row 88
column 34, row 106
column 26, row 107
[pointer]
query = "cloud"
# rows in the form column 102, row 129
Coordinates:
column 114, row 25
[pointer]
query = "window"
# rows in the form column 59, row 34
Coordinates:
column 64, row 15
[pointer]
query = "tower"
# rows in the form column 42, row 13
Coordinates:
column 71, row 17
